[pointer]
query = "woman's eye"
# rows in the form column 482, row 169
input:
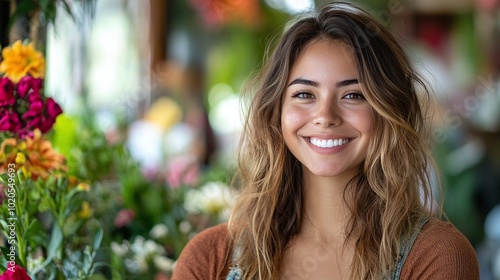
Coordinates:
column 354, row 95
column 303, row 95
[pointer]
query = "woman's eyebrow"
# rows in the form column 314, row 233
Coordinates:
column 345, row 83
column 304, row 82
column 307, row 82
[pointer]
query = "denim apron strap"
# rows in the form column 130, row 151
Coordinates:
column 405, row 250
column 235, row 272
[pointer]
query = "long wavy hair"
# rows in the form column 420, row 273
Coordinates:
column 391, row 191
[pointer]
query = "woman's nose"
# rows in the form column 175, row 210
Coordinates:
column 327, row 115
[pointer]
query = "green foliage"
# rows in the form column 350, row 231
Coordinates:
column 47, row 222
column 48, row 9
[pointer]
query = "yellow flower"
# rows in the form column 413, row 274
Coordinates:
column 83, row 187
column 20, row 158
column 86, row 212
column 8, row 153
column 20, row 60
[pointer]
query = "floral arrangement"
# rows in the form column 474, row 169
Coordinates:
column 69, row 195
column 23, row 107
column 41, row 204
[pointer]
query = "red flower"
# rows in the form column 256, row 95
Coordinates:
column 6, row 92
column 15, row 273
column 9, row 121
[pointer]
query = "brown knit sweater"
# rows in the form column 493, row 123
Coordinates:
column 440, row 252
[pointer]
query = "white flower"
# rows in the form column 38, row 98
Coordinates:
column 135, row 267
column 34, row 263
column 212, row 198
column 185, row 227
column 159, row 231
column 138, row 246
column 119, row 249
column 152, row 248
column 163, row 263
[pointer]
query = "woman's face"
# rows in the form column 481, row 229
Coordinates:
column 326, row 122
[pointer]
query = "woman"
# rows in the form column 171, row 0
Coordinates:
column 334, row 167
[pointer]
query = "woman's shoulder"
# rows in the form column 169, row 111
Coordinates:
column 216, row 235
column 205, row 256
column 441, row 252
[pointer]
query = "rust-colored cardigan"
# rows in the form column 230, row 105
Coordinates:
column 440, row 252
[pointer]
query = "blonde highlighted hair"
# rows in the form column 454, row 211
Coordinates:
column 391, row 191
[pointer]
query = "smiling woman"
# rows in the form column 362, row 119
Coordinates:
column 334, row 167
column 326, row 122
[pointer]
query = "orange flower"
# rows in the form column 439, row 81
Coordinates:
column 39, row 160
column 20, row 60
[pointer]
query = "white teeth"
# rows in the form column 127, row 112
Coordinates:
column 323, row 143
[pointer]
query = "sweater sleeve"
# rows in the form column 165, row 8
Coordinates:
column 205, row 257
column 441, row 252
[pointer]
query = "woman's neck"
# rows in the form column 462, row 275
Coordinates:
column 326, row 214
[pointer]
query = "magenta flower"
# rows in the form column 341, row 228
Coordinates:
column 9, row 121
column 35, row 122
column 34, row 110
column 34, row 96
column 53, row 109
column 37, row 84
column 46, row 124
column 15, row 273
column 6, row 92
column 25, row 85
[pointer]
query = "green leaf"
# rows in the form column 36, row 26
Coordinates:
column 98, row 239
column 34, row 231
column 55, row 241
column 5, row 251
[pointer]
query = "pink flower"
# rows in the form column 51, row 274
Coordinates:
column 15, row 273
column 123, row 218
column 183, row 170
column 9, row 121
column 6, row 92
column 53, row 109
column 25, row 85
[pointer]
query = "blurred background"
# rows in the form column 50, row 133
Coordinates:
column 150, row 94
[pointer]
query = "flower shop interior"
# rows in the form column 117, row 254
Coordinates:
column 119, row 140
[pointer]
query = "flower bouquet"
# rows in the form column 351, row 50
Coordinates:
column 23, row 108
column 41, row 206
